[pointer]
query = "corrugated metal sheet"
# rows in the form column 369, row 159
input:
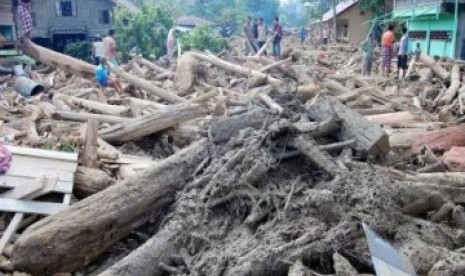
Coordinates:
column 340, row 8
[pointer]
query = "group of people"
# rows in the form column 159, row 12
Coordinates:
column 388, row 52
column 257, row 35
column 104, row 56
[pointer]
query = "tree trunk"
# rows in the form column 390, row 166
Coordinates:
column 371, row 139
column 152, row 123
column 440, row 140
column 93, row 105
column 185, row 74
column 451, row 92
column 59, row 60
column 89, row 155
column 334, row 5
column 84, row 117
column 159, row 249
column 454, row 159
column 151, row 65
column 147, row 86
column 76, row 236
column 437, row 69
column 239, row 69
column 405, row 117
column 88, row 181
column 342, row 93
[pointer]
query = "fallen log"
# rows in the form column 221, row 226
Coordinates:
column 76, row 236
column 152, row 123
column 454, row 159
column 147, row 86
column 440, row 140
column 58, row 60
column 223, row 129
column 84, row 117
column 370, row 138
column 93, row 105
column 451, row 92
column 437, row 69
column 89, row 154
column 185, row 74
column 235, row 68
column 396, row 117
column 342, row 93
column 321, row 159
column 426, row 74
column 159, row 249
column 89, row 181
column 151, row 65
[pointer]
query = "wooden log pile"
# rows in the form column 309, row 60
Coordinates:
column 233, row 165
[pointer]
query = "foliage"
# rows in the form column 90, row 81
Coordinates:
column 80, row 49
column 294, row 13
column 146, row 30
column 202, row 38
column 377, row 7
column 61, row 146
column 267, row 9
column 231, row 19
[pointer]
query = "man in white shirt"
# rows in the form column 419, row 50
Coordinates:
column 98, row 50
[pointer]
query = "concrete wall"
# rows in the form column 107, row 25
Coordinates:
column 357, row 23
column 87, row 17
column 442, row 48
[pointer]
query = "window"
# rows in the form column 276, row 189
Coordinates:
column 417, row 34
column 104, row 17
column 440, row 35
column 65, row 8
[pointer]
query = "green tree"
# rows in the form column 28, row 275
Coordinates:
column 146, row 30
column 377, row 7
column 202, row 38
column 267, row 9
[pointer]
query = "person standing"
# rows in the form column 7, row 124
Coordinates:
column 387, row 49
column 402, row 55
column 98, row 50
column 303, row 35
column 25, row 18
column 171, row 43
column 109, row 44
column 250, row 46
column 367, row 50
column 261, row 39
column 278, row 35
column 255, row 29
column 325, row 35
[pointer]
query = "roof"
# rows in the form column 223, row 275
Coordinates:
column 126, row 4
column 340, row 8
column 192, row 21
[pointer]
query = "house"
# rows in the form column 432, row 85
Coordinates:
column 186, row 23
column 352, row 24
column 57, row 22
column 438, row 25
column 7, row 25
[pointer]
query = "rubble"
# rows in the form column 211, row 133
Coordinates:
column 232, row 165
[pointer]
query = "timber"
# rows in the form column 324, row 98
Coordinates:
column 370, row 139
column 437, row 69
column 76, row 236
column 153, row 123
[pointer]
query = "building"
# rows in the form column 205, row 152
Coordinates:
column 57, row 22
column 187, row 23
column 352, row 24
column 7, row 25
column 438, row 25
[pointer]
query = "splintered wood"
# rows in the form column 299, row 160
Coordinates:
column 234, row 165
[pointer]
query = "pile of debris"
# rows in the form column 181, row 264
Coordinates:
column 246, row 166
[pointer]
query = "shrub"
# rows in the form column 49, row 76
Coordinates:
column 202, row 38
column 80, row 49
column 147, row 30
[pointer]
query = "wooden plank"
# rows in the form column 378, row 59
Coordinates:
column 23, row 191
column 33, row 167
column 44, row 154
column 10, row 230
column 30, row 207
column 11, row 181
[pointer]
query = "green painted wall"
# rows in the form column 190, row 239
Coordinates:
column 444, row 22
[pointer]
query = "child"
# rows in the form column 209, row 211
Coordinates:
column 367, row 49
column 102, row 74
